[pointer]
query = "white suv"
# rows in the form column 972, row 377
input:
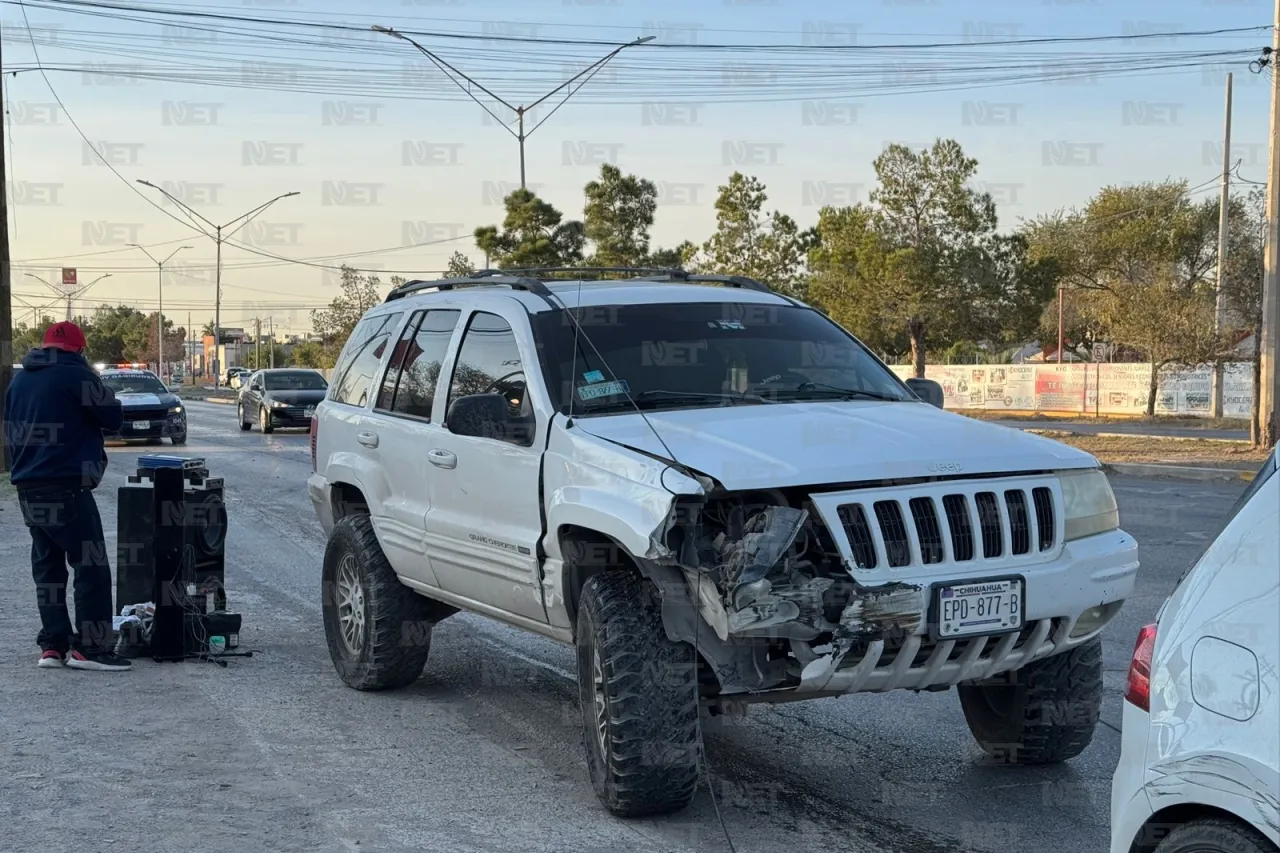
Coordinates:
column 721, row 497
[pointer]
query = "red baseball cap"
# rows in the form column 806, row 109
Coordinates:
column 65, row 336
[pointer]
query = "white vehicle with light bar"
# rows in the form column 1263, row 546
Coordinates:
column 720, row 497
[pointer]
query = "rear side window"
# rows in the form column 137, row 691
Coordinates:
column 414, row 374
column 360, row 358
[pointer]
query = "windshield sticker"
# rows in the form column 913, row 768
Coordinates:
column 602, row 389
column 593, row 376
column 726, row 324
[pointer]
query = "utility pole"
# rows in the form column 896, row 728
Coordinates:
column 191, row 355
column 217, row 237
column 1270, row 342
column 1060, row 315
column 1224, row 206
column 466, row 84
column 271, row 325
column 160, row 313
column 6, row 292
column 257, row 343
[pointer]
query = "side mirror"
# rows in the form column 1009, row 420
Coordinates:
column 927, row 390
column 486, row 416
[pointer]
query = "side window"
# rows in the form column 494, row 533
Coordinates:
column 357, row 381
column 421, row 373
column 489, row 363
column 359, row 335
column 387, row 394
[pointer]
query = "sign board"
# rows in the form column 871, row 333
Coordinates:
column 68, row 276
column 1099, row 352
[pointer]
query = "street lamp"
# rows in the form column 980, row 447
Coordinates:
column 217, row 237
column 519, row 134
column 160, row 314
column 68, row 294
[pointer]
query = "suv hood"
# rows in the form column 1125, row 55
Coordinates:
column 128, row 401
column 814, row 443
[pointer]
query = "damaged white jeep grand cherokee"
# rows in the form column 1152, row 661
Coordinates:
column 721, row 497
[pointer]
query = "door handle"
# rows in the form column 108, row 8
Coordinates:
column 368, row 439
column 443, row 459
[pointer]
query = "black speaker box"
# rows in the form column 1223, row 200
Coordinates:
column 203, row 522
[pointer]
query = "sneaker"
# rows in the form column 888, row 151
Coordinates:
column 51, row 659
column 99, row 661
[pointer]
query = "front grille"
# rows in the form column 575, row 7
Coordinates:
column 145, row 414
column 976, row 524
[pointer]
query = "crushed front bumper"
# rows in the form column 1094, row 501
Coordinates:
column 1087, row 573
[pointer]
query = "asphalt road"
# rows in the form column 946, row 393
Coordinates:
column 484, row 752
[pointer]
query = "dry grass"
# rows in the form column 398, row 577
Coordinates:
column 1168, row 451
column 1050, row 418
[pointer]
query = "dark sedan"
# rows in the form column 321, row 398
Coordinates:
column 280, row 397
column 151, row 411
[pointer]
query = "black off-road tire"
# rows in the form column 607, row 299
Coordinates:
column 1043, row 713
column 1214, row 835
column 397, row 623
column 264, row 421
column 179, row 439
column 244, row 425
column 647, row 761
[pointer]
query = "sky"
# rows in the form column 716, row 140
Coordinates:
column 395, row 165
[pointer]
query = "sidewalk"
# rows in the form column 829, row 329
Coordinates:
column 1128, row 430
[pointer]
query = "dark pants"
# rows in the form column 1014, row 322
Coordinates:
column 66, row 527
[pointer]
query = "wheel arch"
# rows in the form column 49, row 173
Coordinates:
column 1156, row 827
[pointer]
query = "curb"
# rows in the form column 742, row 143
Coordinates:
column 1180, row 472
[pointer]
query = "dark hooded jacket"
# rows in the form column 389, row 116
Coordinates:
column 55, row 413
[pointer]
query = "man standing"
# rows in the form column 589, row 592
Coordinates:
column 55, row 412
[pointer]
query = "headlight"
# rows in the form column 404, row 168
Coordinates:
column 1089, row 505
column 276, row 404
column 176, row 410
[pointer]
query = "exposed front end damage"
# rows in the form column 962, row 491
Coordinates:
column 762, row 572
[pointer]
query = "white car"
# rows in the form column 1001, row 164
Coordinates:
column 1199, row 767
column 720, row 497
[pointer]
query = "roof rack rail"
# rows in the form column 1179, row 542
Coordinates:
column 484, row 278
column 741, row 281
column 580, row 272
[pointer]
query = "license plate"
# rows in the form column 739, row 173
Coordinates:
column 142, row 424
column 986, row 607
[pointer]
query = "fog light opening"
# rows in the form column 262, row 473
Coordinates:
column 1095, row 618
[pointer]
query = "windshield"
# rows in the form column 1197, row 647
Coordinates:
column 302, row 380
column 707, row 354
column 142, row 383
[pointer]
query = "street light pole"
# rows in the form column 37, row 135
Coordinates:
column 160, row 315
column 69, row 295
column 520, row 134
column 217, row 236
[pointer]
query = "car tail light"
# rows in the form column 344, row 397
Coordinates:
column 315, row 429
column 1139, row 689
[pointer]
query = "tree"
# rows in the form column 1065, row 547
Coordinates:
column 359, row 293
column 27, row 338
column 310, row 354
column 460, row 266
column 115, row 332
column 923, row 262
column 1141, row 260
column 678, row 258
column 768, row 247
column 618, row 215
column 534, row 234
column 140, row 343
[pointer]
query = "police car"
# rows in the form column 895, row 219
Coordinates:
column 151, row 411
